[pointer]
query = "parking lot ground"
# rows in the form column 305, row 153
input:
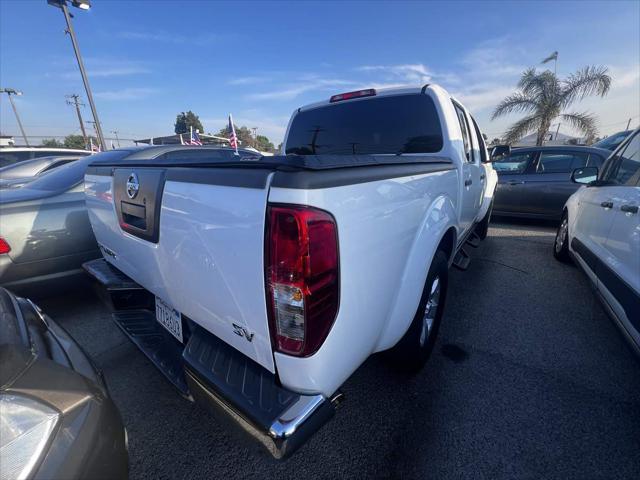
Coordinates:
column 529, row 379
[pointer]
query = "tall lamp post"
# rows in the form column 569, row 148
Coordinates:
column 9, row 92
column 83, row 5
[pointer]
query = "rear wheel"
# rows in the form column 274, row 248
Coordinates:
column 561, row 243
column 414, row 349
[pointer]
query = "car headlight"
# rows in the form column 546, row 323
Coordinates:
column 25, row 428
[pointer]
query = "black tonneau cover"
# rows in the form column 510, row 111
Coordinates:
column 291, row 171
column 276, row 162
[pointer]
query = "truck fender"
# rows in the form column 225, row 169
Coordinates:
column 439, row 219
column 492, row 182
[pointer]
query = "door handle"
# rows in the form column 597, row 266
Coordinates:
column 513, row 182
column 629, row 208
column 468, row 182
column 606, row 204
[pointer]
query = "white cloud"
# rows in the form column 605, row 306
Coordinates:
column 247, row 80
column 305, row 84
column 169, row 37
column 104, row 67
column 126, row 94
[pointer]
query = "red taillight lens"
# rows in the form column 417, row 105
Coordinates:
column 4, row 246
column 302, row 277
column 369, row 92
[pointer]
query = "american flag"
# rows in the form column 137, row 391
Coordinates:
column 233, row 139
column 195, row 138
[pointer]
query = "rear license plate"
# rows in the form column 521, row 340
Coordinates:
column 169, row 318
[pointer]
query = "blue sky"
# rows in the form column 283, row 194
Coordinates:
column 149, row 60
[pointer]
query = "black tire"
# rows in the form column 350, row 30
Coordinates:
column 414, row 348
column 482, row 229
column 561, row 242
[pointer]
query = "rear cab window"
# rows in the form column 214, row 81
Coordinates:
column 389, row 124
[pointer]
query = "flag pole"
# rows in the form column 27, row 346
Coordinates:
column 234, row 131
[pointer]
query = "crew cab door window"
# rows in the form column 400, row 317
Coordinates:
column 483, row 146
column 464, row 126
column 624, row 167
column 517, row 162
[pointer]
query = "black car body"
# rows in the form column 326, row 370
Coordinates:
column 535, row 182
column 57, row 419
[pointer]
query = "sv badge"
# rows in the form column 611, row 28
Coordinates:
column 242, row 332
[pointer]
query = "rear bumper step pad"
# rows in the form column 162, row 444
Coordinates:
column 237, row 387
column 239, row 391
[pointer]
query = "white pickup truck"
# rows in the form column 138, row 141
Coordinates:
column 258, row 286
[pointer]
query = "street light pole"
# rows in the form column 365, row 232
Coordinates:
column 9, row 92
column 63, row 5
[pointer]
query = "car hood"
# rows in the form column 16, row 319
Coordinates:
column 14, row 182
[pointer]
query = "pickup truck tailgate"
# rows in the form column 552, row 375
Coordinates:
column 194, row 237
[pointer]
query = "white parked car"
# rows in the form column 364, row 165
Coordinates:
column 260, row 286
column 600, row 229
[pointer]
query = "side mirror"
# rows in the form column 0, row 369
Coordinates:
column 499, row 152
column 584, row 175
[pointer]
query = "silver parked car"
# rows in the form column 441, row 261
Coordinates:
column 44, row 228
column 20, row 173
column 11, row 155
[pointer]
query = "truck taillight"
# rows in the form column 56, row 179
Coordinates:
column 302, row 277
column 4, row 246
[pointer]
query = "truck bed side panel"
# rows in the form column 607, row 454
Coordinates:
column 378, row 223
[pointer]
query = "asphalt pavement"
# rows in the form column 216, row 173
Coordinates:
column 529, row 379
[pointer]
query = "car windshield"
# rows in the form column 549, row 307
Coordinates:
column 69, row 175
column 612, row 141
column 379, row 125
column 26, row 168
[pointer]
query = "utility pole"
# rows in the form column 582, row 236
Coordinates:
column 77, row 104
column 255, row 137
column 557, row 131
column 84, row 5
column 115, row 132
column 9, row 92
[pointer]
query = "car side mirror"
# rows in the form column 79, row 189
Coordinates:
column 584, row 175
column 499, row 152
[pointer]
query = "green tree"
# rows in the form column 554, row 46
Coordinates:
column 77, row 141
column 184, row 122
column 263, row 144
column 52, row 143
column 545, row 97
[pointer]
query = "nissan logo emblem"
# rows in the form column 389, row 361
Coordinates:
column 133, row 185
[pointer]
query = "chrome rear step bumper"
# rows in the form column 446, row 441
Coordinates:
column 240, row 392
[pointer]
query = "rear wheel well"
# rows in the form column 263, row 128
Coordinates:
column 448, row 243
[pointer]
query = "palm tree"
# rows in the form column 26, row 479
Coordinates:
column 544, row 97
